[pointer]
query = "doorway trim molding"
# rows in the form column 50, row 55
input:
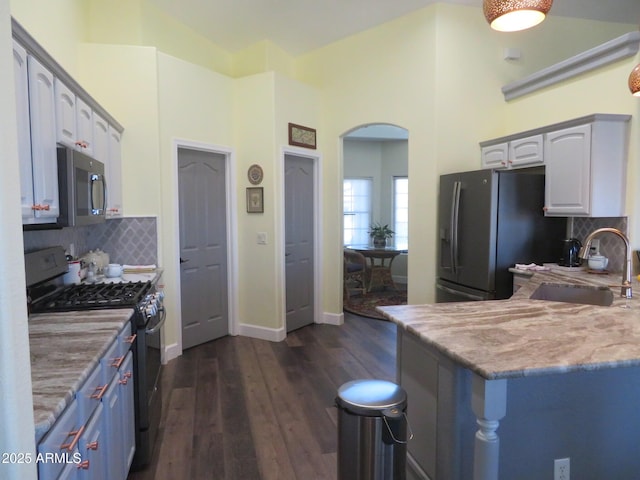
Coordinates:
column 175, row 350
column 318, row 251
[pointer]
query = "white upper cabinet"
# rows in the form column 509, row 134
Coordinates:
column 114, row 175
column 517, row 153
column 585, row 169
column 526, row 152
column 53, row 109
column 495, row 156
column 21, row 78
column 42, row 122
column 65, row 114
column 101, row 141
column 84, row 123
column 584, row 160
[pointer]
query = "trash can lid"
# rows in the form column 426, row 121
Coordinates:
column 371, row 397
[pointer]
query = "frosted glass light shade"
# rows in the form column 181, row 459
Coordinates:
column 634, row 81
column 514, row 15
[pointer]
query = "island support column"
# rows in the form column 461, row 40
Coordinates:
column 489, row 403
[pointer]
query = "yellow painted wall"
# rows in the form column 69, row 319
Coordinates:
column 438, row 73
column 194, row 104
column 59, row 26
column 132, row 99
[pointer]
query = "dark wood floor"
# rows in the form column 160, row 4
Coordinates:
column 246, row 409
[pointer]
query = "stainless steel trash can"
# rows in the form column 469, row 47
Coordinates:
column 372, row 431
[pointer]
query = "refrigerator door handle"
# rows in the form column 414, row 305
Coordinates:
column 458, row 293
column 455, row 210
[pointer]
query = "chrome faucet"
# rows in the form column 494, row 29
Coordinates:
column 626, row 274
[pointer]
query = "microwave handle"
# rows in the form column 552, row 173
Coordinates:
column 98, row 177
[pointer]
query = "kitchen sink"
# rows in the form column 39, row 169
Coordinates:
column 586, row 295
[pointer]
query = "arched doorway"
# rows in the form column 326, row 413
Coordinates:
column 375, row 189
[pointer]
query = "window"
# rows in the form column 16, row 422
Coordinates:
column 357, row 210
column 401, row 212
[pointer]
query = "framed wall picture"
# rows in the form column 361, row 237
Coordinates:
column 302, row 136
column 255, row 200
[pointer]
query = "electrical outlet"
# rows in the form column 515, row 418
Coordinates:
column 595, row 244
column 561, row 469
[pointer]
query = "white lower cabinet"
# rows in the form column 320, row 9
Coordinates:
column 94, row 438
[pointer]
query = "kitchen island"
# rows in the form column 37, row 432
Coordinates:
column 499, row 389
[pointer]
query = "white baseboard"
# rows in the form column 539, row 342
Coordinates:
column 170, row 352
column 332, row 318
column 262, row 333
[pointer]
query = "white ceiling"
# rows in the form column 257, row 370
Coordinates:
column 298, row 26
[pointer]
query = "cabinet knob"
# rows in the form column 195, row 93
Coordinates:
column 92, row 446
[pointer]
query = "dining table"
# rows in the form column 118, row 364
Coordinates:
column 379, row 261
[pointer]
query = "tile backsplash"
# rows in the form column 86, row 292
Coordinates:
column 610, row 245
column 131, row 240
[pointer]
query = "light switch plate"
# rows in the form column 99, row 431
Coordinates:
column 262, row 238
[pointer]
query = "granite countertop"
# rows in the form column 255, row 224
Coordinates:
column 521, row 337
column 65, row 348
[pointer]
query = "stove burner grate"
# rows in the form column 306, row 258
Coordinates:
column 92, row 296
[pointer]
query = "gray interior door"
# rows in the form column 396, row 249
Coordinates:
column 299, row 245
column 203, row 246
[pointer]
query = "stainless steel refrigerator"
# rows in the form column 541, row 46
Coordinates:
column 488, row 221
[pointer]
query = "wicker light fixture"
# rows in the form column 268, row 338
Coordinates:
column 634, row 81
column 514, row 15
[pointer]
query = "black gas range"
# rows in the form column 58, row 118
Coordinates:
column 47, row 294
column 91, row 297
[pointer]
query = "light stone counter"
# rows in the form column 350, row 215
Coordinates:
column 520, row 337
column 65, row 348
column 555, row 367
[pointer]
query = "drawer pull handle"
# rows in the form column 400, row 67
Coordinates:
column 131, row 339
column 84, row 465
column 117, row 362
column 76, row 436
column 98, row 393
column 92, row 446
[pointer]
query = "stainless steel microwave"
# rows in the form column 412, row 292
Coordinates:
column 83, row 189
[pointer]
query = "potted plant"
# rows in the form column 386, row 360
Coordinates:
column 380, row 233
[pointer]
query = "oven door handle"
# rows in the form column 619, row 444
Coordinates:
column 163, row 316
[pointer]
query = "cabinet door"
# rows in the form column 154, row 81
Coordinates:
column 43, row 142
column 101, row 141
column 61, row 443
column 65, row 114
column 84, row 124
column 127, row 415
column 93, row 448
column 24, row 130
column 526, row 151
column 495, row 156
column 114, row 177
column 568, row 172
column 113, row 427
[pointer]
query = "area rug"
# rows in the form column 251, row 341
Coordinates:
column 365, row 305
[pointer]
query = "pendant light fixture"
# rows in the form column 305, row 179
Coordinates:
column 514, row 15
column 634, row 81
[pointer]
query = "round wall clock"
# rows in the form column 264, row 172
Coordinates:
column 255, row 174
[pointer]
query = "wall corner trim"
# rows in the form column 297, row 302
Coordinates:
column 622, row 47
